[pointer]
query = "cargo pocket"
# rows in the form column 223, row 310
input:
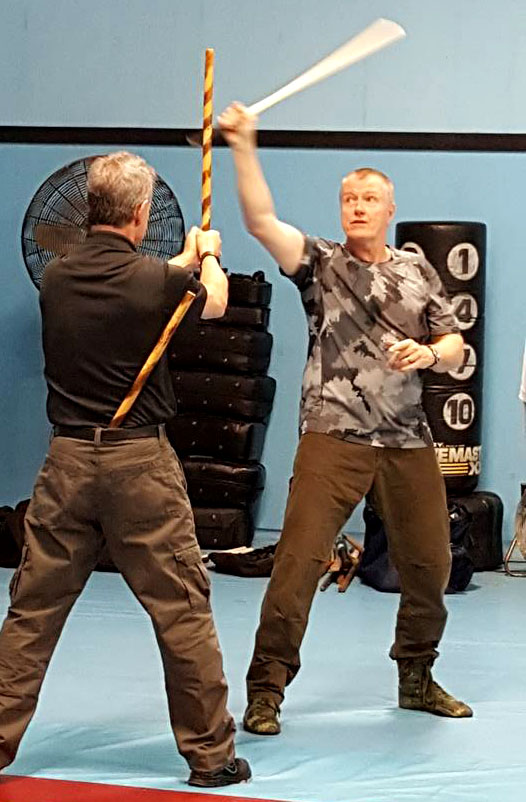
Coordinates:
column 15, row 579
column 194, row 577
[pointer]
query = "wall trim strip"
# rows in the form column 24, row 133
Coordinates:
column 322, row 140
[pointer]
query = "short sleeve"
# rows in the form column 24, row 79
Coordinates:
column 440, row 314
column 178, row 280
column 304, row 276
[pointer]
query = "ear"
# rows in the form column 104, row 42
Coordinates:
column 140, row 211
column 392, row 212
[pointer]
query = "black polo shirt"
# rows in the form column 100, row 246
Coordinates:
column 103, row 308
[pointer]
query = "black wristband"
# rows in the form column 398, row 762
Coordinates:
column 203, row 256
column 436, row 355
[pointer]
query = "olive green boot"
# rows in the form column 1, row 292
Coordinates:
column 262, row 717
column 418, row 691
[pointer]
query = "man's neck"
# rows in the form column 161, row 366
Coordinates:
column 369, row 251
column 125, row 231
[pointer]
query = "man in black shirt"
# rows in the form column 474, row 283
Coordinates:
column 103, row 308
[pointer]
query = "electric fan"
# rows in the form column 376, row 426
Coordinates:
column 56, row 219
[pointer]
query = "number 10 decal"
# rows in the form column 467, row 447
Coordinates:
column 459, row 411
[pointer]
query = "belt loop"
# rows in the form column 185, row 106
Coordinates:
column 162, row 432
column 97, row 438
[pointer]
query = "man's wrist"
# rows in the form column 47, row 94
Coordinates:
column 435, row 354
column 203, row 256
column 182, row 261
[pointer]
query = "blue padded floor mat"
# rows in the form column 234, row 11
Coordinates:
column 103, row 718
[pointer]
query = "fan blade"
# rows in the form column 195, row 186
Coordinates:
column 58, row 239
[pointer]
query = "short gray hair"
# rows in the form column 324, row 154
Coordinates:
column 117, row 183
column 363, row 172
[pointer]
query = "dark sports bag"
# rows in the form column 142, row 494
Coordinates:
column 256, row 563
column 377, row 570
column 9, row 548
column 484, row 539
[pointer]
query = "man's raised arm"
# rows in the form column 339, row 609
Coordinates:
column 284, row 242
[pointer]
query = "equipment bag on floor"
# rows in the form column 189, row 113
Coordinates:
column 484, row 537
column 255, row 563
column 377, row 570
column 9, row 548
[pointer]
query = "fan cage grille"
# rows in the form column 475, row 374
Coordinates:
column 61, row 202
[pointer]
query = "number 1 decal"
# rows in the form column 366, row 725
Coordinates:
column 463, row 261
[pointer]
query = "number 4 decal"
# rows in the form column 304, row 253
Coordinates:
column 466, row 310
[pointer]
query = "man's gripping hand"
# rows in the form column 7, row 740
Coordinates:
column 408, row 355
column 208, row 243
column 189, row 256
column 238, row 126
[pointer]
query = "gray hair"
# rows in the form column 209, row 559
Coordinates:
column 363, row 172
column 117, row 183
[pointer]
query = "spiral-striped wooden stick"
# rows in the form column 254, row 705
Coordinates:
column 206, row 208
column 206, row 176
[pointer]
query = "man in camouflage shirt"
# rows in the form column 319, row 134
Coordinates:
column 376, row 317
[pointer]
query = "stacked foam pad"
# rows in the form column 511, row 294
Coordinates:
column 224, row 399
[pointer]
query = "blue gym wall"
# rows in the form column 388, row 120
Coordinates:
column 139, row 63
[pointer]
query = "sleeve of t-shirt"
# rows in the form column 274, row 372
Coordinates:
column 179, row 280
column 440, row 314
column 306, row 277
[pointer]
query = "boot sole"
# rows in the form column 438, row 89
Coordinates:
column 258, row 732
column 198, row 784
column 433, row 711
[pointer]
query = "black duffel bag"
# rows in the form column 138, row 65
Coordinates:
column 9, row 548
column 377, row 570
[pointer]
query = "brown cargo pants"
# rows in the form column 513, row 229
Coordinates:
column 330, row 478
column 130, row 494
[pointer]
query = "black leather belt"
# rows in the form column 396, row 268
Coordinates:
column 107, row 435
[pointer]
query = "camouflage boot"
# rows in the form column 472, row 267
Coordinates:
column 418, row 691
column 262, row 717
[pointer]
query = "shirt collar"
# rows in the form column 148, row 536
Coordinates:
column 111, row 238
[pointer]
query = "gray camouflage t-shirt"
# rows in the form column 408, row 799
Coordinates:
column 355, row 311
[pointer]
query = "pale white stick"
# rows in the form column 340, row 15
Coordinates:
column 379, row 34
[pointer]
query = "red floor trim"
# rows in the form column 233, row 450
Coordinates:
column 29, row 789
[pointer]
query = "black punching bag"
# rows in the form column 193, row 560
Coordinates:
column 453, row 400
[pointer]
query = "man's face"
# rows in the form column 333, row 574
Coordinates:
column 366, row 208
